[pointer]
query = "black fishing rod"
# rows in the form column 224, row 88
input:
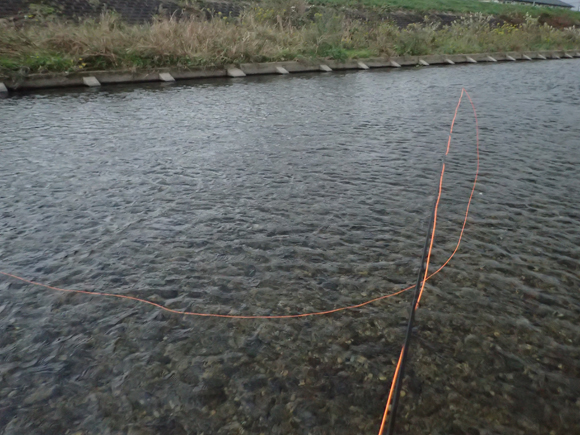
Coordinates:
column 420, row 277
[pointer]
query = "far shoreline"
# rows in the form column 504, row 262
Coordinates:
column 96, row 79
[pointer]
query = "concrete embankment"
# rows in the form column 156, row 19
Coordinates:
column 99, row 78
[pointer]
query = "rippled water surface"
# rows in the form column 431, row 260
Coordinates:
column 283, row 195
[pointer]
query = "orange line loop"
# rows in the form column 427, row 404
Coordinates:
column 336, row 310
column 289, row 316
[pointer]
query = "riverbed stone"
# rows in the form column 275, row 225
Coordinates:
column 40, row 394
column 472, row 340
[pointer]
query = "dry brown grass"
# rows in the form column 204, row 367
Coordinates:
column 110, row 43
column 259, row 35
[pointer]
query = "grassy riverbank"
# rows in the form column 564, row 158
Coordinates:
column 270, row 32
column 458, row 6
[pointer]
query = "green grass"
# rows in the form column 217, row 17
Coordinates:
column 455, row 6
column 39, row 62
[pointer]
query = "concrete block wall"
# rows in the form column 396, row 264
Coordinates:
column 98, row 78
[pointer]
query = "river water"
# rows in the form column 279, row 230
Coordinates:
column 284, row 195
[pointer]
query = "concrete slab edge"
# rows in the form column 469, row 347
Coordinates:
column 91, row 82
column 235, row 72
column 91, row 78
column 166, row 77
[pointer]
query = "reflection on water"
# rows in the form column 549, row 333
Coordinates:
column 280, row 195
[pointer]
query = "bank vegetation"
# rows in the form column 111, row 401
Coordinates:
column 287, row 31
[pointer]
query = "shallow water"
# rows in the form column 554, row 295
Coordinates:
column 282, row 195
